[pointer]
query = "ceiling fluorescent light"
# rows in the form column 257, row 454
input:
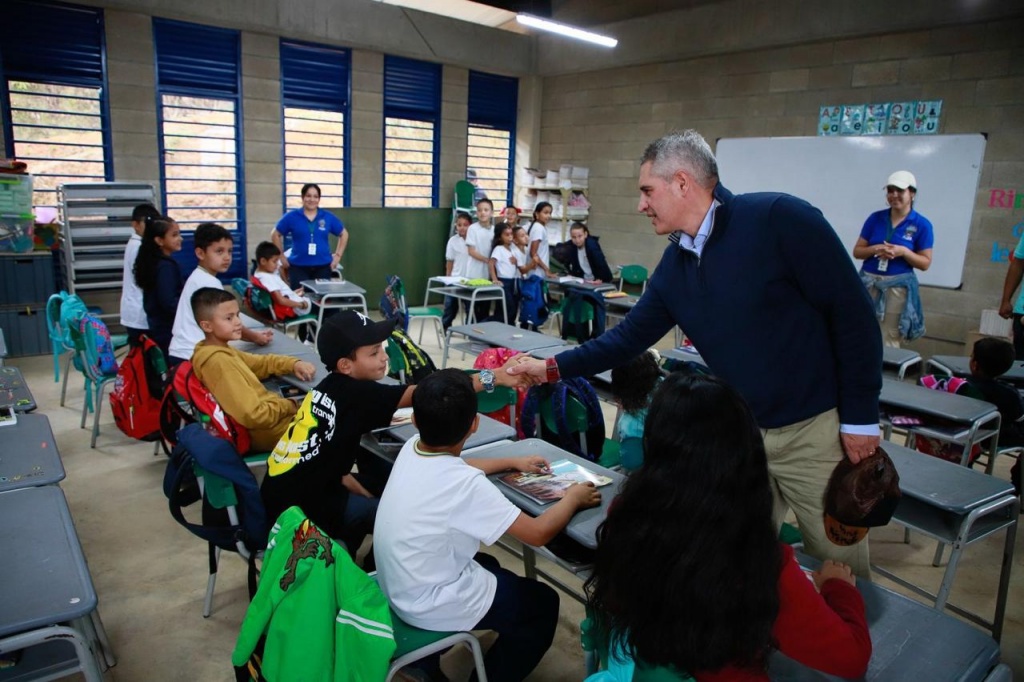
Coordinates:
column 564, row 30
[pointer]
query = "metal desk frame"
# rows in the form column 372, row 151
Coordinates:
column 354, row 299
column 467, row 293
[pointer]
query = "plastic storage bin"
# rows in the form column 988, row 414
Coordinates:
column 15, row 194
column 16, row 233
column 26, row 279
column 25, row 330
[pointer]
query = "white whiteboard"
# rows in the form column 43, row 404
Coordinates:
column 844, row 177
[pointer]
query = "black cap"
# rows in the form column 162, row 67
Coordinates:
column 860, row 496
column 346, row 331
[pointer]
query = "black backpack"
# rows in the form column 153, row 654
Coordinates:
column 418, row 364
column 564, row 436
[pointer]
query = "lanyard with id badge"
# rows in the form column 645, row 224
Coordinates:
column 883, row 264
column 311, row 248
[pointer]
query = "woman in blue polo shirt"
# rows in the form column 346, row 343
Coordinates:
column 892, row 244
column 309, row 227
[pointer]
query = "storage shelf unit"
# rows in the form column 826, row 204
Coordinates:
column 560, row 188
column 97, row 220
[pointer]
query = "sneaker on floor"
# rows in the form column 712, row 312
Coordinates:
column 309, row 342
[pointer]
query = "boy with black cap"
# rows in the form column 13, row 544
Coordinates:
column 311, row 467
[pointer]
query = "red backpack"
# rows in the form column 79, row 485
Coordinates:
column 136, row 397
column 187, row 401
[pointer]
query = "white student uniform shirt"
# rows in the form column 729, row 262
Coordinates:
column 433, row 515
column 503, row 261
column 458, row 254
column 480, row 238
column 272, row 282
column 588, row 273
column 186, row 332
column 132, row 312
column 539, row 233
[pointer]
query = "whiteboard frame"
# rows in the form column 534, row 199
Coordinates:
column 844, row 176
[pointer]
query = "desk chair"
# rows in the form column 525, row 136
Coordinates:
column 635, row 275
column 58, row 329
column 463, row 201
column 577, row 315
column 631, row 453
column 219, row 493
column 396, row 360
column 502, row 397
column 423, row 313
column 261, row 304
column 96, row 380
column 413, row 644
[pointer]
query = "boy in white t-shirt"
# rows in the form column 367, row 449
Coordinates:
column 478, row 243
column 456, row 256
column 133, row 315
column 213, row 251
column 436, row 510
column 268, row 264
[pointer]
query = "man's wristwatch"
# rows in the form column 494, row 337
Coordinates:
column 487, row 380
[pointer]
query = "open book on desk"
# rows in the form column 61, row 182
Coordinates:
column 448, row 281
column 551, row 486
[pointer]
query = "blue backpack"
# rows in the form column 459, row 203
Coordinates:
column 565, row 436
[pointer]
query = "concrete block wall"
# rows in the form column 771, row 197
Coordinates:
column 604, row 119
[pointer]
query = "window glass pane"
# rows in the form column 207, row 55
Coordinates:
column 58, row 132
column 314, row 152
column 200, row 161
column 489, row 153
column 408, row 162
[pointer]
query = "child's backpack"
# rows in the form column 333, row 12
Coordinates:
column 565, row 435
column 417, row 364
column 187, row 400
column 138, row 391
column 215, row 455
column 951, row 452
column 533, row 306
column 99, row 349
column 64, row 311
column 392, row 301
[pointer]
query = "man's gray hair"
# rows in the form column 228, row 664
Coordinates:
column 686, row 150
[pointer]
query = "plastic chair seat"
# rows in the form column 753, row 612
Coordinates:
column 409, row 638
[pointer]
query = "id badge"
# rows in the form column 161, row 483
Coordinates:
column 312, row 249
column 883, row 265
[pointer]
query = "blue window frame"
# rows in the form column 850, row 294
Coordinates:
column 315, row 97
column 199, row 114
column 491, row 135
column 53, row 94
column 412, row 132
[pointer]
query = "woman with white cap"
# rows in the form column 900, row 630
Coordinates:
column 892, row 244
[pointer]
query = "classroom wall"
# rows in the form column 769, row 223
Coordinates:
column 370, row 29
column 604, row 118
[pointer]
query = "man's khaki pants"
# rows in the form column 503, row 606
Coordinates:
column 801, row 458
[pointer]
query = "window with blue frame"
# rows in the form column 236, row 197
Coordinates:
column 491, row 135
column 315, row 110
column 412, row 131
column 199, row 117
column 54, row 94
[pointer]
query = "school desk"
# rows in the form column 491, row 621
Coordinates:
column 497, row 335
column 49, row 603
column 960, row 366
column 909, row 642
column 471, row 294
column 335, row 294
column 582, row 286
column 28, row 454
column 14, row 391
column 957, row 506
column 386, row 442
column 946, row 416
column 899, row 360
column 683, row 354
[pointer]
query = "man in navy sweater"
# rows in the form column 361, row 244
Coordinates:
column 764, row 288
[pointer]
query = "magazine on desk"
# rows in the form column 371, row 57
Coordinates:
column 551, row 486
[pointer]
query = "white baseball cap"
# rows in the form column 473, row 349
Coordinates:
column 903, row 180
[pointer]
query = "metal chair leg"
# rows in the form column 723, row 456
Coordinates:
column 67, row 371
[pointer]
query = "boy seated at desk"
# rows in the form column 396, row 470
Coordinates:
column 287, row 302
column 990, row 359
column 311, row 466
column 234, row 377
column 436, row 510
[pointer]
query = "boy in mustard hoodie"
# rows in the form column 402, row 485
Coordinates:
column 234, row 377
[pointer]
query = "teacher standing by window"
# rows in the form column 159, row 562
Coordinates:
column 892, row 244
column 309, row 226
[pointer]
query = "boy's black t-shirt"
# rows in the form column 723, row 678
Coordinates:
column 320, row 446
column 1008, row 401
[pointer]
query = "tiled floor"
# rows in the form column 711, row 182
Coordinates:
column 151, row 574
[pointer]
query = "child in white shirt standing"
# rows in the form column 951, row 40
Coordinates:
column 456, row 256
column 133, row 314
column 506, row 260
column 478, row 245
column 436, row 510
